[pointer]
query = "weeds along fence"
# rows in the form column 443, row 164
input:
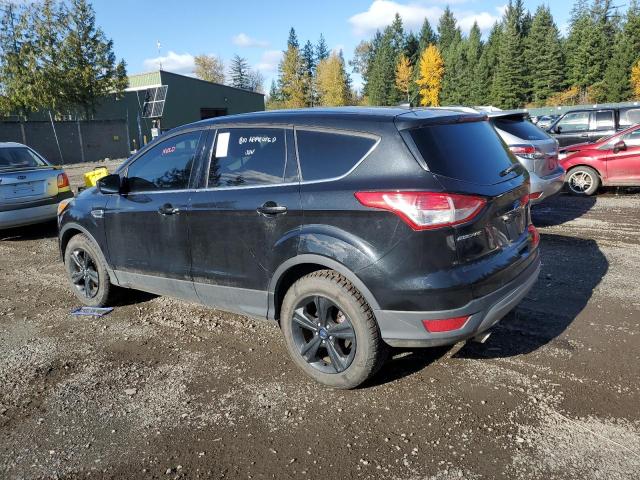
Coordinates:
column 77, row 141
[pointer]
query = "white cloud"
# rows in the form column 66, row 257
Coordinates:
column 381, row 13
column 269, row 61
column 171, row 62
column 244, row 40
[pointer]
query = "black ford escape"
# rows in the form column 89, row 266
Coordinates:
column 356, row 229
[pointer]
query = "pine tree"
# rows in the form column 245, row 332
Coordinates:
column 471, row 94
column 322, row 51
column 617, row 86
column 15, row 75
column 404, row 74
column 292, row 41
column 426, row 37
column 239, row 72
column 447, row 30
column 486, row 68
column 309, row 66
column 545, row 56
column 333, row 89
column 509, row 85
column 430, row 78
column 381, row 89
column 454, row 70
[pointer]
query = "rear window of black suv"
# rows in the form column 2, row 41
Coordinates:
column 470, row 151
column 325, row 155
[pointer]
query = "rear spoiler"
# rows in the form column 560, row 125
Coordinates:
column 412, row 119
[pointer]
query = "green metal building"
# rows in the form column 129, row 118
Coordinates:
column 166, row 100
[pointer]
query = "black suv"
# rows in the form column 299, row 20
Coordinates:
column 592, row 124
column 356, row 229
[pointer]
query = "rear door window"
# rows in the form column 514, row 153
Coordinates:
column 325, row 155
column 604, row 120
column 574, row 122
column 471, row 152
column 520, row 127
column 248, row 156
column 167, row 166
column 632, row 139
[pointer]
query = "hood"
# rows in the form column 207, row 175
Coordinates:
column 578, row 147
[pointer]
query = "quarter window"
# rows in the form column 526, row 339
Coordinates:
column 247, row 156
column 326, row 155
column 167, row 166
column 632, row 139
column 574, row 122
column 604, row 120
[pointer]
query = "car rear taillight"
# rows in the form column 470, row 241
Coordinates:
column 535, row 195
column 445, row 324
column 526, row 151
column 425, row 210
column 63, row 181
column 534, row 235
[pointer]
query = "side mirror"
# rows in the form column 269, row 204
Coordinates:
column 111, row 184
column 619, row 146
column 558, row 129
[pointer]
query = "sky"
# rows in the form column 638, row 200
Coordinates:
column 258, row 30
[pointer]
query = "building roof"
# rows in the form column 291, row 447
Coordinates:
column 142, row 81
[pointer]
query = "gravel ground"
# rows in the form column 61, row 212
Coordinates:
column 164, row 389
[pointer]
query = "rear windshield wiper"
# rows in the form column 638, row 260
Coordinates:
column 508, row 170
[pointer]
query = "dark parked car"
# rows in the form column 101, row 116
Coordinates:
column 613, row 161
column 592, row 124
column 355, row 229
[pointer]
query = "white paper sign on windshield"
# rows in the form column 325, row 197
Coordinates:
column 222, row 145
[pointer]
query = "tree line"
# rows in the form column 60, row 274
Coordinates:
column 239, row 75
column 524, row 61
column 54, row 58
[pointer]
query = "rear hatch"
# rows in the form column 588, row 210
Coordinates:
column 535, row 149
column 469, row 158
column 24, row 177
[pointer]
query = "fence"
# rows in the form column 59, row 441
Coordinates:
column 80, row 141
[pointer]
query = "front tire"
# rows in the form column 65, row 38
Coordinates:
column 87, row 273
column 330, row 330
column 583, row 181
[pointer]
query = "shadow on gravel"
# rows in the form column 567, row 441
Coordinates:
column 571, row 269
column 30, row 232
column 132, row 297
column 405, row 362
column 561, row 209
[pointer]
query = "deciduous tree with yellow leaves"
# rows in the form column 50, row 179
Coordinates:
column 635, row 79
column 404, row 73
column 430, row 77
column 331, row 80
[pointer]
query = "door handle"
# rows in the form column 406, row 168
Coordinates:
column 168, row 209
column 584, row 135
column 271, row 208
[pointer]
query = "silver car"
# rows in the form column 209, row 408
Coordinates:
column 536, row 150
column 30, row 187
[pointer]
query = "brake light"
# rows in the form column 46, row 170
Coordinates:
column 535, row 195
column 526, row 151
column 63, row 181
column 534, row 235
column 425, row 210
column 445, row 324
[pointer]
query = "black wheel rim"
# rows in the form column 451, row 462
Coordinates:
column 323, row 334
column 84, row 273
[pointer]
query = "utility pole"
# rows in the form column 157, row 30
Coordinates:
column 159, row 56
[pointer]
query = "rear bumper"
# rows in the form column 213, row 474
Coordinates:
column 405, row 329
column 28, row 213
column 548, row 185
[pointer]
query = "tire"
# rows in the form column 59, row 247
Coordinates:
column 83, row 256
column 329, row 355
column 583, row 181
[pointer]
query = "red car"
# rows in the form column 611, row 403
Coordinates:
column 612, row 161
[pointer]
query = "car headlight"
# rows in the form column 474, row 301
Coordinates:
column 62, row 206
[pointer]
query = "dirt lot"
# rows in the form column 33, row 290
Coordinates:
column 164, row 389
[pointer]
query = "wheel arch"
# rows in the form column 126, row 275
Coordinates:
column 582, row 164
column 295, row 268
column 69, row 231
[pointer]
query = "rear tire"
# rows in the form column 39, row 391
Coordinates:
column 346, row 348
column 583, row 181
column 87, row 273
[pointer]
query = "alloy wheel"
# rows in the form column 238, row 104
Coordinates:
column 84, row 273
column 580, row 182
column 323, row 334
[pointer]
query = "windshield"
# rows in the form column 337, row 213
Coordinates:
column 471, row 152
column 19, row 157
